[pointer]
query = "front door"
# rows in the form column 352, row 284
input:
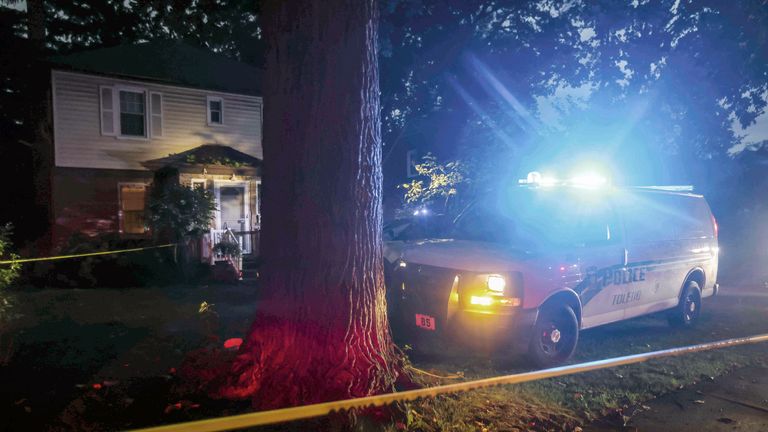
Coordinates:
column 233, row 207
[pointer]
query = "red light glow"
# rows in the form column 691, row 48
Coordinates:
column 233, row 343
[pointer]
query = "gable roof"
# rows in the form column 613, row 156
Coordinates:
column 167, row 61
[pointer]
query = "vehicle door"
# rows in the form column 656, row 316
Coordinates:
column 582, row 240
column 598, row 246
column 656, row 255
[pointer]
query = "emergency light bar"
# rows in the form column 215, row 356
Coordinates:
column 671, row 188
column 590, row 180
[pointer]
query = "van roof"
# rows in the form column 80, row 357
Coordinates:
column 660, row 190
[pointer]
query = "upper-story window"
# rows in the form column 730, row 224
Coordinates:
column 131, row 112
column 215, row 110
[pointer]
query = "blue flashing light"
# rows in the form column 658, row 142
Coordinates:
column 592, row 180
column 587, row 180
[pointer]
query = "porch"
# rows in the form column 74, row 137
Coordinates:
column 234, row 180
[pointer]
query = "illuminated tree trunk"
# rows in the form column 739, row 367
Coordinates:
column 320, row 331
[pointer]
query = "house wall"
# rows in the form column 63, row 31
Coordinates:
column 86, row 200
column 77, row 125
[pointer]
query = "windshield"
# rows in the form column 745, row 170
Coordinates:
column 417, row 228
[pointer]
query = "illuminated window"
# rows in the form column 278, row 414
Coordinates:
column 132, row 204
column 215, row 110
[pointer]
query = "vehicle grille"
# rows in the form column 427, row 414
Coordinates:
column 427, row 290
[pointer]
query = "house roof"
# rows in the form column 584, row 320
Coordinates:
column 216, row 158
column 167, row 61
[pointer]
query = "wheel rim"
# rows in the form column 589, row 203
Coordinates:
column 691, row 307
column 555, row 339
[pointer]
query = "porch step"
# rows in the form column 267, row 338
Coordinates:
column 251, row 263
column 249, row 277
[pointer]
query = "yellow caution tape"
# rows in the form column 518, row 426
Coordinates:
column 60, row 257
column 316, row 410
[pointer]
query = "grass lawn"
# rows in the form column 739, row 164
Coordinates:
column 105, row 359
column 569, row 402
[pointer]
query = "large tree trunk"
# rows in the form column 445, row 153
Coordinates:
column 321, row 331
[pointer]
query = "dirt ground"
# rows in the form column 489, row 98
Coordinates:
column 104, row 359
column 736, row 401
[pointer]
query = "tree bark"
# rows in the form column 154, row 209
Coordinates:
column 321, row 331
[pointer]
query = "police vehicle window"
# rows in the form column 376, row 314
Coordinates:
column 482, row 222
column 653, row 217
column 417, row 228
column 566, row 220
column 694, row 219
column 536, row 221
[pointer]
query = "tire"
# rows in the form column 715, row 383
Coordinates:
column 688, row 310
column 555, row 336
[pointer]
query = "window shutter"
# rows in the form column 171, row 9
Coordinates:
column 107, row 99
column 156, row 111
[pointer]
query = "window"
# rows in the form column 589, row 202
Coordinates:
column 215, row 110
column 196, row 184
column 131, row 215
column 132, row 113
column 539, row 220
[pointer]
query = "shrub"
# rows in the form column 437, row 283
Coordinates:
column 149, row 267
column 8, row 272
column 176, row 210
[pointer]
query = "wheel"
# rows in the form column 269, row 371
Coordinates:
column 687, row 312
column 555, row 336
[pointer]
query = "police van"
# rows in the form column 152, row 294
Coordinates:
column 530, row 267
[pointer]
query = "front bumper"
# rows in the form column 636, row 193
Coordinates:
column 508, row 332
column 434, row 292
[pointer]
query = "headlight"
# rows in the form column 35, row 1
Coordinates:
column 496, row 283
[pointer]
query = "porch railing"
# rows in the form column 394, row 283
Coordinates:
column 248, row 240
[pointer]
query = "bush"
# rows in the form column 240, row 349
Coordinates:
column 8, row 272
column 149, row 267
column 176, row 210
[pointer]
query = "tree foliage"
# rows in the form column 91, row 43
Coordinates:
column 665, row 80
column 437, row 185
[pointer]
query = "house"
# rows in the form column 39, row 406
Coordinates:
column 121, row 113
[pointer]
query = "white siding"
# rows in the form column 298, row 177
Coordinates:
column 79, row 142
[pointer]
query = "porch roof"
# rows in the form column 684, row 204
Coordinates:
column 215, row 158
